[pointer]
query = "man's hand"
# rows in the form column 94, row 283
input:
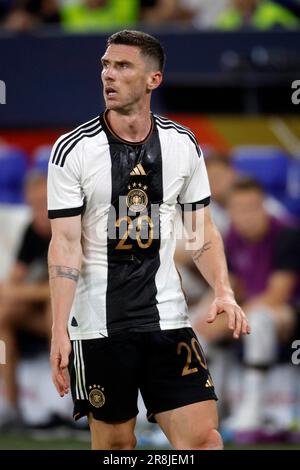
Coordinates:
column 59, row 358
column 237, row 320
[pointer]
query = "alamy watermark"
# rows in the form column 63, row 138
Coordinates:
column 296, row 93
column 296, row 354
column 2, row 92
column 2, row 352
column 134, row 221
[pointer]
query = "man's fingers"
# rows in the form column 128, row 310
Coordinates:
column 245, row 326
column 238, row 323
column 237, row 320
column 213, row 312
column 231, row 319
column 57, row 380
column 61, row 381
column 60, row 376
column 64, row 362
column 66, row 379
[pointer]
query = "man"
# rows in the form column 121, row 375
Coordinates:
column 258, row 14
column 24, row 296
column 127, row 318
column 263, row 255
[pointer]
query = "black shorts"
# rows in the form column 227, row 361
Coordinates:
column 167, row 366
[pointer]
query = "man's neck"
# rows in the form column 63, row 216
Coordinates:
column 132, row 127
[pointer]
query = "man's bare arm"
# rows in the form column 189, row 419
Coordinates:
column 209, row 257
column 64, row 261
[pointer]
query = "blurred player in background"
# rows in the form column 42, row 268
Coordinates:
column 24, row 296
column 263, row 258
column 113, row 187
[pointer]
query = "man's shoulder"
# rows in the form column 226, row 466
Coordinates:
column 68, row 142
column 182, row 132
column 165, row 123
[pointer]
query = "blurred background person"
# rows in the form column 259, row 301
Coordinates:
column 99, row 15
column 201, row 14
column 222, row 176
column 263, row 262
column 262, row 254
column 259, row 14
column 25, row 15
column 24, row 295
column 158, row 12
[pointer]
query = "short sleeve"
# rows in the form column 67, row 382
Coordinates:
column 196, row 189
column 26, row 251
column 287, row 250
column 65, row 194
column 33, row 246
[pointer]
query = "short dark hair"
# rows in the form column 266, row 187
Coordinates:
column 247, row 184
column 149, row 45
column 218, row 158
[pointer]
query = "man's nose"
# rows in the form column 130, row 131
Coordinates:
column 109, row 73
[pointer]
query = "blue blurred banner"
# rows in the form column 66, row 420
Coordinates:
column 54, row 80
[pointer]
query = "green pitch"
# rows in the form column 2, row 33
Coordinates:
column 14, row 442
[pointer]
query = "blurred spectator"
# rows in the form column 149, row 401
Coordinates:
column 200, row 13
column 28, row 14
column 259, row 14
column 158, row 11
column 13, row 166
column 99, row 15
column 24, row 297
column 264, row 260
column 222, row 176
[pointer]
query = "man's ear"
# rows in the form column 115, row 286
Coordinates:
column 154, row 80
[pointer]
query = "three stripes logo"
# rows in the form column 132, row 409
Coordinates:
column 66, row 144
column 209, row 383
column 138, row 170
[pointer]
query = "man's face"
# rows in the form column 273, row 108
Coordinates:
column 221, row 178
column 36, row 195
column 247, row 213
column 126, row 76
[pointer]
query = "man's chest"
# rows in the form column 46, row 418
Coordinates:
column 143, row 174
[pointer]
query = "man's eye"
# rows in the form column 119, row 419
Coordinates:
column 124, row 66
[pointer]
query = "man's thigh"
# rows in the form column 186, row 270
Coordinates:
column 112, row 436
column 190, row 426
column 176, row 372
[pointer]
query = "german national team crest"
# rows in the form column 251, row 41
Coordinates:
column 96, row 396
column 137, row 199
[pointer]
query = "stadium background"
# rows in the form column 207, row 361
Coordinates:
column 232, row 88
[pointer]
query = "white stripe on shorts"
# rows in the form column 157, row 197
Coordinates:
column 79, row 391
column 82, row 369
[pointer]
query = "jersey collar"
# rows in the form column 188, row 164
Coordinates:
column 107, row 128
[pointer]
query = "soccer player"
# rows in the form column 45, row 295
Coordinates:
column 119, row 314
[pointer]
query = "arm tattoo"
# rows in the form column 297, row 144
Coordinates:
column 198, row 253
column 64, row 271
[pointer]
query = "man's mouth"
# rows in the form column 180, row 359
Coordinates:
column 110, row 92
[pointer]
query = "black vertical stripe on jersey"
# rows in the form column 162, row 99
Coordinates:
column 131, row 290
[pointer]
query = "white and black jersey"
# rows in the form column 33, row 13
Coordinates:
column 127, row 195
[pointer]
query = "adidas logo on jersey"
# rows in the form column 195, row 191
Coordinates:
column 209, row 383
column 138, row 170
